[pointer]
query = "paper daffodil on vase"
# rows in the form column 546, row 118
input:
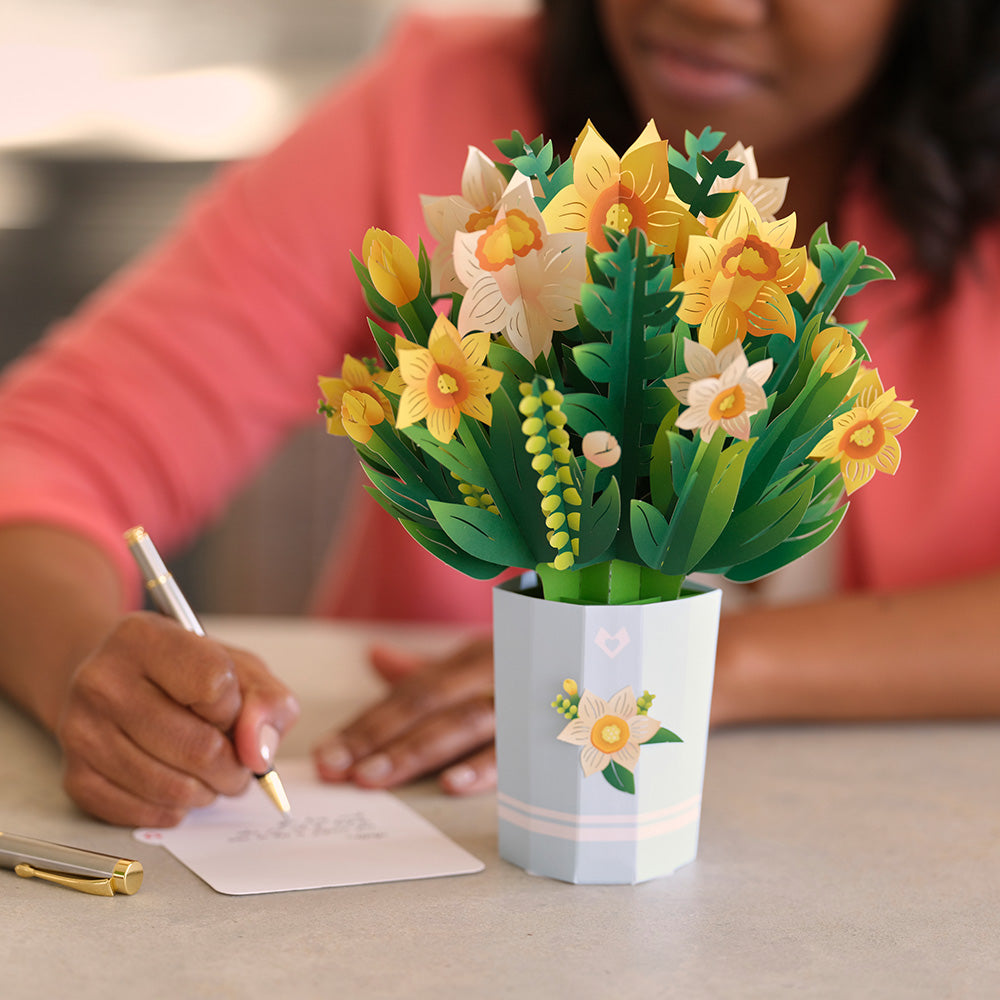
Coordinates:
column 610, row 733
column 638, row 365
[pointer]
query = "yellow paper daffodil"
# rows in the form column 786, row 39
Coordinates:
column 392, row 266
column 354, row 402
column 737, row 281
column 445, row 379
column 864, row 440
column 470, row 212
column 624, row 194
column 522, row 282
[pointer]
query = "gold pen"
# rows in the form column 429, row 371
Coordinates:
column 168, row 599
column 85, row 871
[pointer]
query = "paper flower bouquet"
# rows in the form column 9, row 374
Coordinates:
column 615, row 371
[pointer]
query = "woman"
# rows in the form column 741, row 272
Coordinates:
column 200, row 358
column 889, row 105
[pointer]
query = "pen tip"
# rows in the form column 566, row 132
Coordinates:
column 271, row 784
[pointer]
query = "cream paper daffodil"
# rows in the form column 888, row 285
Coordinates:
column 521, row 281
column 726, row 398
column 608, row 731
column 766, row 194
column 472, row 211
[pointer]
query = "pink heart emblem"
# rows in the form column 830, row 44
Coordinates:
column 612, row 645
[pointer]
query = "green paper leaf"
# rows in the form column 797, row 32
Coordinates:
column 661, row 485
column 382, row 308
column 663, row 736
column 595, row 361
column 441, row 547
column 385, row 342
column 599, row 525
column 683, row 452
column 620, row 777
column 512, row 146
column 510, row 362
column 685, row 185
column 790, row 550
column 409, row 499
column 704, row 506
column 758, row 530
column 649, row 532
column 453, row 456
column 517, row 480
column 586, row 412
column 597, row 303
column 715, row 205
column 482, row 534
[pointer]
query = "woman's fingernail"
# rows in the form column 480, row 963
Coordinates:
column 336, row 757
column 458, row 777
column 373, row 768
column 268, row 740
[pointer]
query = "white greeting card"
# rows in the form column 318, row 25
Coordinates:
column 336, row 835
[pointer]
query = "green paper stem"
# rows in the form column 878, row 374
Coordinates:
column 417, row 317
column 613, row 582
column 388, row 446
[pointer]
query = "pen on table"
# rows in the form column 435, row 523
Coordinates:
column 167, row 597
column 85, row 871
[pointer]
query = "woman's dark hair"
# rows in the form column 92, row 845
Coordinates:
column 935, row 144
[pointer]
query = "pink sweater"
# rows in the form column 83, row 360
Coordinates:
column 171, row 385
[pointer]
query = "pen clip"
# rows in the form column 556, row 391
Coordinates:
column 93, row 886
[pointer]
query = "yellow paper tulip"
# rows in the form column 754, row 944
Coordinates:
column 392, row 267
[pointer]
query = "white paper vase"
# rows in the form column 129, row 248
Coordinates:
column 555, row 821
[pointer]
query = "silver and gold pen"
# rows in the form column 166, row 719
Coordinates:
column 85, row 871
column 167, row 597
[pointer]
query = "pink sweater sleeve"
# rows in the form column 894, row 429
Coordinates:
column 175, row 381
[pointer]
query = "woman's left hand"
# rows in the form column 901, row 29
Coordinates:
column 439, row 714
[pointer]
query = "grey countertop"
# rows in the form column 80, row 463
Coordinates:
column 835, row 861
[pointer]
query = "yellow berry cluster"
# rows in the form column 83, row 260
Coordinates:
column 644, row 703
column 564, row 706
column 475, row 496
column 544, row 426
column 567, row 704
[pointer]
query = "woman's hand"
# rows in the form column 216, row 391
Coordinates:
column 157, row 721
column 439, row 714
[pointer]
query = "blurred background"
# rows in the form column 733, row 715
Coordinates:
column 111, row 113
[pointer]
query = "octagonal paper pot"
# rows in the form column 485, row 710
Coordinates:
column 555, row 820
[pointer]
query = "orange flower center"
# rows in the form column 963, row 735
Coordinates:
column 727, row 404
column 515, row 235
column 617, row 207
column 609, row 733
column 863, row 439
column 480, row 220
column 446, row 387
column 750, row 257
